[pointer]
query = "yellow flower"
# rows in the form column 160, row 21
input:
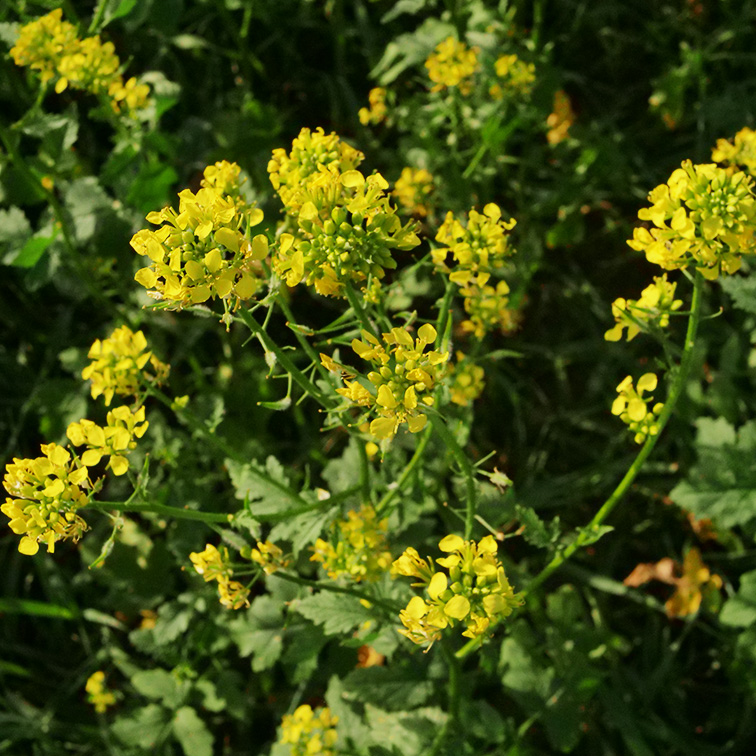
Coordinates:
column 467, row 381
column 516, row 76
column 43, row 42
column 213, row 564
column 473, row 590
column 377, row 110
column 477, row 249
column 97, row 694
column 360, row 551
column 270, row 557
column 413, row 191
column 116, row 439
column 631, row 407
column 91, row 65
column 703, row 216
column 740, row 152
column 653, row 308
column 488, row 308
column 47, row 492
column 308, row 732
column 203, row 250
column 403, row 381
column 560, row 119
column 452, row 64
column 118, row 365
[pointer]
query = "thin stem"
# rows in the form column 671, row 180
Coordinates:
column 292, row 323
column 451, row 444
column 359, row 311
column 405, row 476
column 675, row 392
column 443, row 321
column 158, row 509
column 453, row 692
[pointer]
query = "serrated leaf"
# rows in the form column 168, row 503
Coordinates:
column 264, row 487
column 192, row 733
column 535, row 530
column 159, row 685
column 411, row 733
column 85, row 200
column 260, row 632
column 742, row 291
column 740, row 610
column 144, row 728
column 393, row 688
column 338, row 613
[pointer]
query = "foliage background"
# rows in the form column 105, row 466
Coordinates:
column 592, row 666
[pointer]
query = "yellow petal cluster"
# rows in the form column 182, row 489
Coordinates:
column 213, row 564
column 740, row 152
column 377, row 110
column 51, row 46
column 467, row 381
column 203, row 251
column 357, row 548
column 46, row 492
column 703, row 216
column 473, row 590
column 269, row 556
column 632, row 407
column 653, row 308
column 118, row 365
column 308, row 732
column 413, row 191
column 452, row 64
column 560, row 119
column 97, row 694
column 115, row 440
column 488, row 310
column 402, row 384
column 515, row 76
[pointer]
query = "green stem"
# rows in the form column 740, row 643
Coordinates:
column 469, row 471
column 443, row 323
column 158, row 509
column 283, row 359
column 94, row 26
column 359, row 311
column 454, row 691
column 675, row 392
column 292, row 323
column 364, row 470
column 405, row 476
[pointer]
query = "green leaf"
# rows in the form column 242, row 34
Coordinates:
column 394, row 688
column 260, row 632
column 338, row 613
column 742, row 292
column 535, row 530
column 34, row 608
column 591, row 534
column 150, row 190
column 85, row 199
column 722, row 485
column 404, row 6
column 410, row 733
column 159, row 685
column 30, row 254
column 740, row 610
column 118, row 9
column 265, row 489
column 192, row 733
column 15, row 231
column 144, row 728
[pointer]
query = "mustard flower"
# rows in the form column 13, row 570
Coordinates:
column 47, row 492
column 308, row 732
column 118, row 365
column 560, row 119
column 132, row 94
column 357, row 548
column 91, row 65
column 467, row 381
column 213, row 564
column 402, row 384
column 740, row 152
column 270, row 557
column 452, row 64
column 312, row 154
column 653, row 308
column 488, row 310
column 43, row 42
column 474, row 590
column 377, row 110
column 516, row 76
column 202, row 251
column 703, row 216
column 632, row 407
column 477, row 248
column 347, row 232
column 413, row 191
column 115, row 440
column 97, row 694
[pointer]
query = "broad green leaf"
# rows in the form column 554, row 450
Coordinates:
column 159, row 685
column 259, row 632
column 265, row 488
column 740, row 610
column 535, row 530
column 410, row 733
column 144, row 728
column 337, row 612
column 192, row 733
column 393, row 688
column 29, row 255
column 742, row 291
column 35, row 608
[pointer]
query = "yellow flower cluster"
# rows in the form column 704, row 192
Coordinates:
column 269, row 556
column 631, row 407
column 118, row 365
column 740, row 152
column 653, row 308
column 474, row 590
column 516, row 76
column 704, row 216
column 377, row 110
column 213, row 564
column 46, row 493
column 361, row 551
column 413, row 191
column 451, row 64
column 401, row 386
column 97, row 694
column 51, row 46
column 347, row 230
column 308, row 732
column 116, row 439
column 203, row 251
column 560, row 119
column 488, row 308
column 467, row 381
column 314, row 154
